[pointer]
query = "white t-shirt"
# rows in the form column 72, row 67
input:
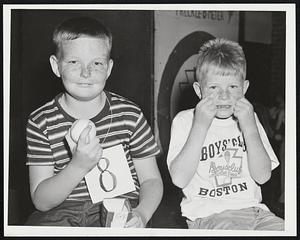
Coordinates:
column 222, row 180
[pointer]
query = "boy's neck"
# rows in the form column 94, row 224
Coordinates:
column 230, row 117
column 82, row 109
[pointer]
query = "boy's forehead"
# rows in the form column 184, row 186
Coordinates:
column 220, row 76
column 82, row 43
column 86, row 40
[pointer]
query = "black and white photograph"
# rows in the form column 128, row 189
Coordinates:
column 149, row 119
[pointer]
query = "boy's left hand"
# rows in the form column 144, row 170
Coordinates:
column 243, row 111
column 136, row 220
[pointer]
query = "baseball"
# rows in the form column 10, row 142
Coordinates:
column 78, row 127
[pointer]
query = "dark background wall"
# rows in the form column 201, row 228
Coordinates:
column 33, row 83
column 265, row 58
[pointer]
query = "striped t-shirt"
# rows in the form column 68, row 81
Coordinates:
column 119, row 122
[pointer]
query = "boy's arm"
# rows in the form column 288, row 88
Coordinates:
column 151, row 190
column 184, row 165
column 49, row 190
column 259, row 161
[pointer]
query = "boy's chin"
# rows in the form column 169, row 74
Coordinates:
column 224, row 115
column 85, row 97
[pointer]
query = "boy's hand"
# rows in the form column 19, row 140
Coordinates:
column 136, row 220
column 206, row 110
column 243, row 111
column 87, row 152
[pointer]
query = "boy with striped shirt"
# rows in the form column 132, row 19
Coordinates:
column 57, row 185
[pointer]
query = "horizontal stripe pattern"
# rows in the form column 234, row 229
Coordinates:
column 122, row 123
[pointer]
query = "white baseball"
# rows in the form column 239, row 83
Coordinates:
column 78, row 127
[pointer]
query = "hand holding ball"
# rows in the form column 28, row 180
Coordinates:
column 78, row 126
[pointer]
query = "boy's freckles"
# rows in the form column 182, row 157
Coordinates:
column 84, row 66
column 226, row 91
column 84, row 57
column 226, row 87
column 85, row 47
column 83, row 52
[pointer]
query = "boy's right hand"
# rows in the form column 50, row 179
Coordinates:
column 206, row 110
column 87, row 152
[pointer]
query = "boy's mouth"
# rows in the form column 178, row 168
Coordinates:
column 224, row 106
column 84, row 84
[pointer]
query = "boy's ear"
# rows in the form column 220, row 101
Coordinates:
column 246, row 85
column 54, row 65
column 197, row 89
column 110, row 66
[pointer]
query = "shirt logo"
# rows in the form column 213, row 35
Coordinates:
column 227, row 166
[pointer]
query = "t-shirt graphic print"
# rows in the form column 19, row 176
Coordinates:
column 227, row 166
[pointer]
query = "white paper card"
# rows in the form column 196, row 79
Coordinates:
column 111, row 177
column 120, row 212
column 119, row 219
column 115, row 205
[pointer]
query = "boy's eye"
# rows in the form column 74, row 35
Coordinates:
column 212, row 87
column 98, row 63
column 72, row 61
column 233, row 86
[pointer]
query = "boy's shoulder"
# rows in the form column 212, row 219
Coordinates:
column 46, row 109
column 119, row 101
column 185, row 114
column 183, row 118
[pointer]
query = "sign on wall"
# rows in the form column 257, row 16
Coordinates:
column 177, row 39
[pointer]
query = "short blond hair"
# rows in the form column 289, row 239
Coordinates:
column 221, row 57
column 74, row 28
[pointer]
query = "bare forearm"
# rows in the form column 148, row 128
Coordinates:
column 54, row 190
column 258, row 160
column 184, row 166
column 150, row 196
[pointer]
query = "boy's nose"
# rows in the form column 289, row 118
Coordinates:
column 85, row 71
column 224, row 94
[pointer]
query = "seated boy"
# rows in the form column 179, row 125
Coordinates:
column 219, row 153
column 57, row 184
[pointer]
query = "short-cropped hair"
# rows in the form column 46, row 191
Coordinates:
column 221, row 57
column 77, row 27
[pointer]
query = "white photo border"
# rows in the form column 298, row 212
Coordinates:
column 290, row 130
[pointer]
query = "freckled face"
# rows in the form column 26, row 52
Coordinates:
column 227, row 89
column 84, row 67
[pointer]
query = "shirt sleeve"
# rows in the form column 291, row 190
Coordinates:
column 38, row 146
column 180, row 129
column 142, row 142
column 267, row 145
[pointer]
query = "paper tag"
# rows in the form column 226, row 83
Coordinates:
column 112, row 177
column 119, row 219
column 115, row 212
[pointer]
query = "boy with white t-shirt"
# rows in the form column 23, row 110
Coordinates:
column 219, row 153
